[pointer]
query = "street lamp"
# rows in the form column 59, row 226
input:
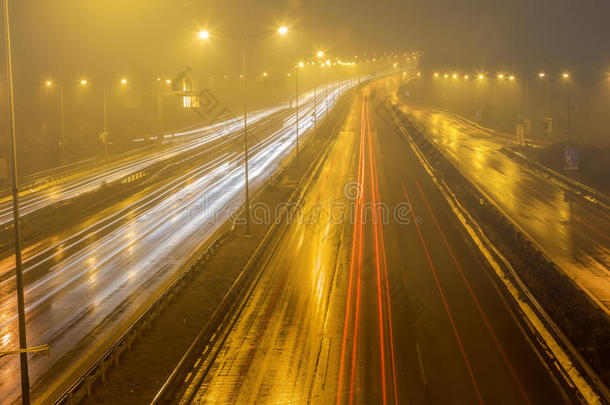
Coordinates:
column 205, row 35
column 296, row 79
column 566, row 78
column 23, row 345
column 319, row 54
column 543, row 75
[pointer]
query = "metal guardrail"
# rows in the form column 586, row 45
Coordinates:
column 82, row 388
column 581, row 188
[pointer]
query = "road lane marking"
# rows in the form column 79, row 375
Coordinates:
column 381, row 247
column 445, row 303
column 378, row 272
column 349, row 290
column 474, row 297
column 421, row 363
column 359, row 202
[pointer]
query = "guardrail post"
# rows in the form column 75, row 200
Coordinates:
column 88, row 384
column 103, row 367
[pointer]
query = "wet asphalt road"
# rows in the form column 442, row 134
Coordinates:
column 85, row 286
column 374, row 295
column 572, row 230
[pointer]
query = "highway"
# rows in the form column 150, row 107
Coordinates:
column 85, row 286
column 373, row 296
column 89, row 180
column 573, row 231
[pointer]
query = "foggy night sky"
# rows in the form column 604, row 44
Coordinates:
column 104, row 40
column 109, row 37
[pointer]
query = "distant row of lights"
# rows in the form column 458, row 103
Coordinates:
column 482, row 76
column 320, row 54
column 84, row 82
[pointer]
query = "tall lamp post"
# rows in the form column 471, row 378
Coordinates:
column 547, row 106
column 326, row 67
column 319, row 54
column 25, row 380
column 296, row 79
column 566, row 77
column 61, row 122
column 205, row 35
column 62, row 135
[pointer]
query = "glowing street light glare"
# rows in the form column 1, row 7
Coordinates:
column 541, row 74
column 204, row 34
column 168, row 81
column 283, row 30
column 123, row 81
column 265, row 74
column 481, row 77
column 465, row 76
column 48, row 83
column 446, row 75
column 500, row 76
column 565, row 75
column 320, row 54
column 301, row 64
column 83, row 81
column 435, row 74
column 512, row 77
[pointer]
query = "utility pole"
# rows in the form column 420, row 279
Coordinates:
column 315, row 109
column 61, row 122
column 296, row 77
column 25, row 380
column 244, row 55
column 105, row 137
column 326, row 90
column 105, row 109
column 568, row 86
